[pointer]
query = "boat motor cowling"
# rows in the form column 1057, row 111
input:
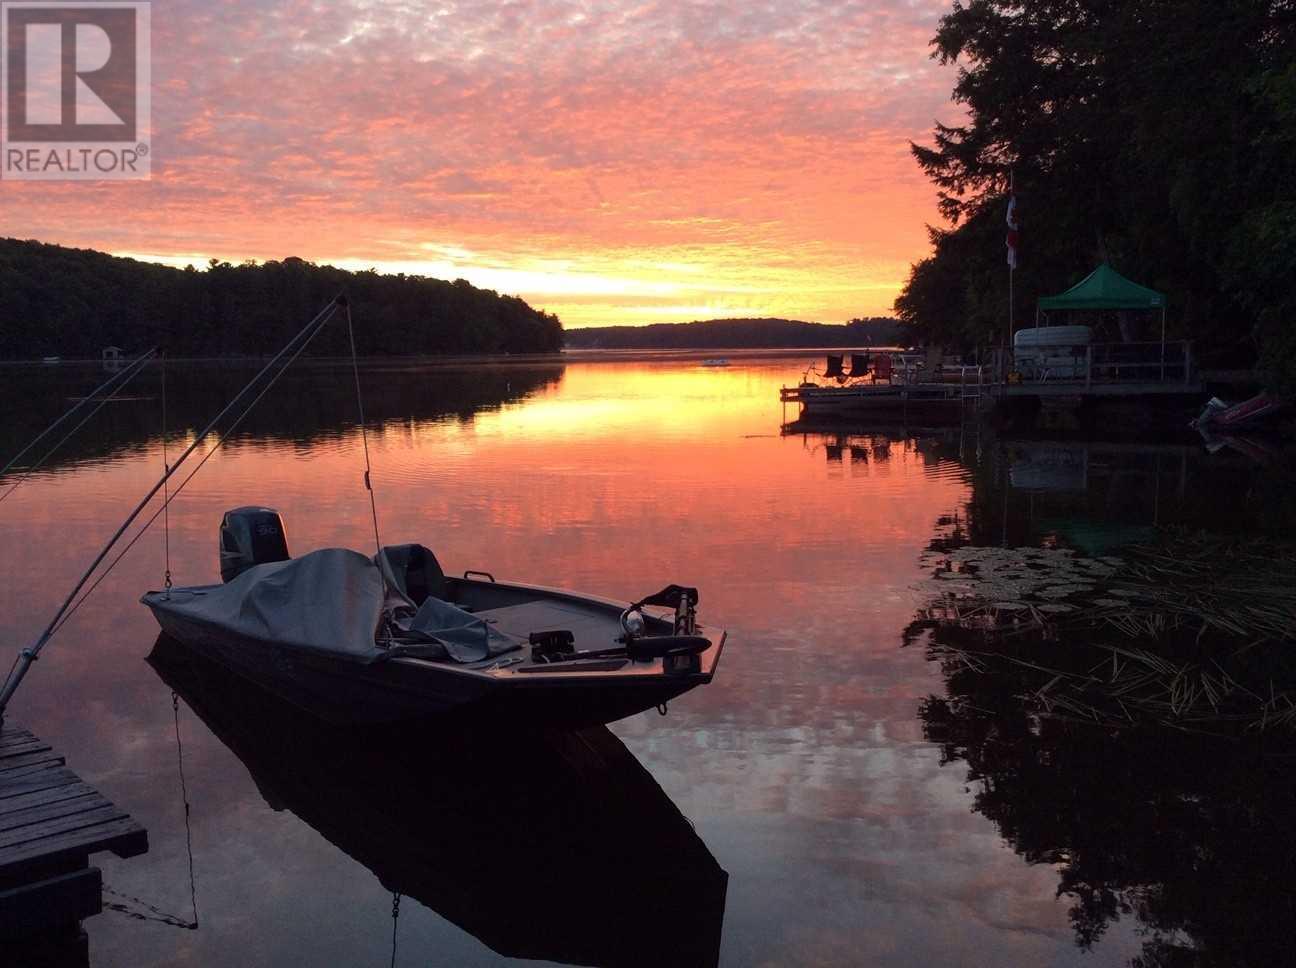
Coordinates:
column 250, row 536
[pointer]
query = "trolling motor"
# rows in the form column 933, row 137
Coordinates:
column 678, row 651
column 683, row 599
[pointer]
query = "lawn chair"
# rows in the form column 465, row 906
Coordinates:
column 834, row 370
column 860, row 366
column 882, row 369
column 929, row 370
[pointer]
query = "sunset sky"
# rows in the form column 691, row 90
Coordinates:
column 625, row 161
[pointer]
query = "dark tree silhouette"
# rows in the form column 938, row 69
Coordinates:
column 56, row 301
column 1158, row 136
column 737, row 334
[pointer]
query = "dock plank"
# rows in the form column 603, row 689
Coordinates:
column 47, row 794
column 61, row 825
column 124, row 837
column 42, row 812
column 27, row 746
column 33, row 779
column 12, row 740
column 51, row 820
column 15, row 735
column 29, row 759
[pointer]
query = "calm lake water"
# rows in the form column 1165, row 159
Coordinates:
column 855, row 828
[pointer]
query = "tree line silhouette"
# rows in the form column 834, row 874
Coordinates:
column 1158, row 137
column 738, row 333
column 57, row 301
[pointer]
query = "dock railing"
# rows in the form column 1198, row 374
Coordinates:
column 1084, row 365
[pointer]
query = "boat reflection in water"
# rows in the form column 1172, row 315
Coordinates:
column 543, row 845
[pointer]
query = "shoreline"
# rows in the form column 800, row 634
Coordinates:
column 484, row 359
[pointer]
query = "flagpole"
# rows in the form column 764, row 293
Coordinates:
column 1012, row 260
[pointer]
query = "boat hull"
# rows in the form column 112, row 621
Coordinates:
column 543, row 844
column 410, row 690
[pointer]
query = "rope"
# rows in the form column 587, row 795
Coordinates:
column 395, row 917
column 364, row 434
column 176, row 493
column 128, row 374
column 130, row 905
column 166, row 497
column 154, row 913
column 184, row 796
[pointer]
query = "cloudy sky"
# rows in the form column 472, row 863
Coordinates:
column 619, row 161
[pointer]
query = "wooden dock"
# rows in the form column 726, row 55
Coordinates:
column 51, row 821
column 1058, row 379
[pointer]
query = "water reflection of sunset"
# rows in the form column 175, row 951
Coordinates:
column 803, row 766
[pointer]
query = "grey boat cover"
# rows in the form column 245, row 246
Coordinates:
column 334, row 601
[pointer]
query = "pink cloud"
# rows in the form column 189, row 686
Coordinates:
column 590, row 133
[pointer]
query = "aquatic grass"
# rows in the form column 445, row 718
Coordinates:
column 1192, row 632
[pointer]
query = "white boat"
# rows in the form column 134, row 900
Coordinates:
column 392, row 639
column 715, row 361
column 1051, row 352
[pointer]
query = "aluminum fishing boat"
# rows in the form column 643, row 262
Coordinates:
column 392, row 639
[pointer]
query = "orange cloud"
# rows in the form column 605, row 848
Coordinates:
column 619, row 162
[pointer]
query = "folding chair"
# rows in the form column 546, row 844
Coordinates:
column 859, row 365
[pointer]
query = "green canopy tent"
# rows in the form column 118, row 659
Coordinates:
column 1105, row 288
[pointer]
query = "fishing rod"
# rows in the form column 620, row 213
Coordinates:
column 29, row 655
column 121, row 378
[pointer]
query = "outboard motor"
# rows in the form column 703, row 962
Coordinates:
column 250, row 536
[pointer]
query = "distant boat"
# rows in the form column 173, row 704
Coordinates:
column 1220, row 416
column 881, row 384
column 715, row 361
column 51, row 360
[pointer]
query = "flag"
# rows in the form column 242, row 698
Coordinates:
column 1012, row 231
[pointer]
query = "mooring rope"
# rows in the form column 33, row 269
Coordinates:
column 166, row 497
column 154, row 913
column 184, row 796
column 395, row 917
column 364, row 434
column 151, row 912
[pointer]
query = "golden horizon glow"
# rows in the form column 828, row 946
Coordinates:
column 621, row 164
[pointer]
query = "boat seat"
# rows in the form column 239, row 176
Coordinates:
column 416, row 571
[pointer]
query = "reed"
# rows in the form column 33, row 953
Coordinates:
column 1193, row 631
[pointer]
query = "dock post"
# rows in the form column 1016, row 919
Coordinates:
column 52, row 822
